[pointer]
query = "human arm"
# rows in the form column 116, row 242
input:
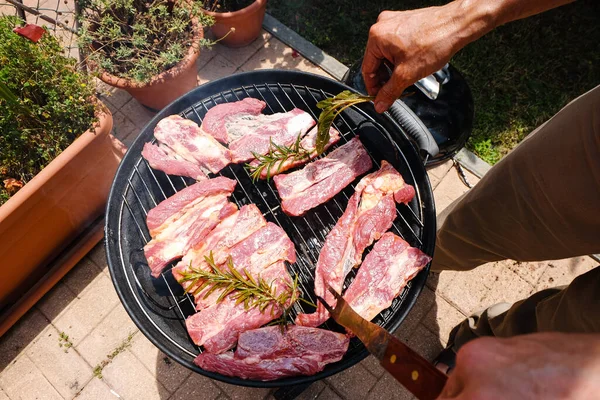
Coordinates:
column 420, row 42
column 548, row 366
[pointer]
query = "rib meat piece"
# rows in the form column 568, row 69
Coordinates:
column 164, row 159
column 319, row 181
column 383, row 275
column 308, row 143
column 220, row 240
column 186, row 218
column 370, row 212
column 218, row 326
column 254, row 134
column 182, row 144
column 267, row 353
column 217, row 119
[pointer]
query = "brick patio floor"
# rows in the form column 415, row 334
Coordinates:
column 106, row 357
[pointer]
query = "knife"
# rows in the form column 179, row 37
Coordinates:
column 415, row 373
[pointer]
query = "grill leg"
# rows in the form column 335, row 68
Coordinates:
column 290, row 392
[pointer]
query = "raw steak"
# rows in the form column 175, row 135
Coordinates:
column 186, row 218
column 253, row 135
column 218, row 326
column 383, row 275
column 319, row 181
column 308, row 143
column 164, row 159
column 218, row 117
column 182, row 140
column 267, row 353
column 370, row 212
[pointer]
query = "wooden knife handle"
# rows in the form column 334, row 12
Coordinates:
column 417, row 374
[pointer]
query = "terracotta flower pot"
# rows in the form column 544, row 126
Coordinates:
column 59, row 203
column 247, row 23
column 167, row 86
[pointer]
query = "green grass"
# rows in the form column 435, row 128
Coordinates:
column 520, row 74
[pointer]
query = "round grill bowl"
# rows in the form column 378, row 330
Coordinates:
column 159, row 306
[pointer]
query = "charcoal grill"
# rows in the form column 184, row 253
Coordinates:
column 159, row 307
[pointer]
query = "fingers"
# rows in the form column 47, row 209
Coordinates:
column 371, row 64
column 386, row 15
column 390, row 92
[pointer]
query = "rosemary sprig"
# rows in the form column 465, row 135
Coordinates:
column 254, row 292
column 331, row 107
column 277, row 156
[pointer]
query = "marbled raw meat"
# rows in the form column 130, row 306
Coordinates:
column 164, row 159
column 267, row 353
column 320, row 180
column 218, row 117
column 308, row 143
column 185, row 218
column 370, row 212
column 384, row 273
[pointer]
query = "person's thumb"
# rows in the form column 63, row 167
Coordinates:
column 389, row 92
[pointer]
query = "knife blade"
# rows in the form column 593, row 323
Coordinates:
column 415, row 373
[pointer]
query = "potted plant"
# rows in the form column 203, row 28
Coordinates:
column 147, row 47
column 57, row 161
column 237, row 22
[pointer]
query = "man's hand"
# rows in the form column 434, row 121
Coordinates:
column 419, row 42
column 537, row 366
column 415, row 43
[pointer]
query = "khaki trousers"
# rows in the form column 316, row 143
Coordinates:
column 541, row 202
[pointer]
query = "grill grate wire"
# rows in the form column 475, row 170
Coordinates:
column 147, row 187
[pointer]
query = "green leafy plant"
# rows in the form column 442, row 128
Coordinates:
column 45, row 104
column 226, row 5
column 253, row 292
column 139, row 39
column 331, row 107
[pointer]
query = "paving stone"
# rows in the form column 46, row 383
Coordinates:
column 238, row 56
column 353, row 383
column 96, row 389
column 124, row 129
column 236, row 392
column 312, row 392
column 328, row 394
column 437, row 173
column 420, row 309
column 131, row 380
column 442, row 318
column 109, row 334
column 206, row 55
column 562, row 272
column 276, row 55
column 168, row 372
column 373, row 366
column 56, row 301
column 530, row 271
column 22, row 380
column 82, row 275
column 86, row 312
column 388, row 388
column 450, row 188
column 64, row 368
column 425, row 343
column 197, row 387
column 468, row 290
column 116, row 97
column 3, row 396
column 440, row 280
column 217, row 68
column 137, row 113
column 509, row 288
column 98, row 255
column 23, row 334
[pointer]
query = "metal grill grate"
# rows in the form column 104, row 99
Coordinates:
column 163, row 299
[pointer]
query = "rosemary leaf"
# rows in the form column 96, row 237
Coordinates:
column 331, row 107
column 276, row 158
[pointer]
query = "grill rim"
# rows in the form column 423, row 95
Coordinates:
column 115, row 205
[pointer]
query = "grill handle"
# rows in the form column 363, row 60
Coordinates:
column 415, row 128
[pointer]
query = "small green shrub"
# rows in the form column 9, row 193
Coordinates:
column 44, row 105
column 226, row 5
column 138, row 39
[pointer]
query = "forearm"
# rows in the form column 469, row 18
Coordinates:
column 474, row 18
